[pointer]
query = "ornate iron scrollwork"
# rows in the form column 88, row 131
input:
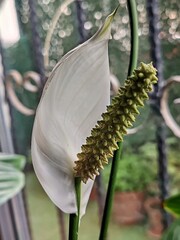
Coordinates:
column 24, row 82
column 164, row 108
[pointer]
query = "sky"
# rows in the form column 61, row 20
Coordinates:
column 9, row 31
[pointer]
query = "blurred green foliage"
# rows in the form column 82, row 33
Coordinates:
column 173, row 232
column 172, row 205
column 136, row 172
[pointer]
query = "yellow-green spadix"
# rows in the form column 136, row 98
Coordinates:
column 74, row 97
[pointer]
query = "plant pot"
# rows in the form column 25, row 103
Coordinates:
column 153, row 209
column 128, row 207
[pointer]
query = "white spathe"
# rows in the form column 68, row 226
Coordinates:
column 74, row 97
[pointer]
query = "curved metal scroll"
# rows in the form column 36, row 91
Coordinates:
column 30, row 77
column 114, row 84
column 54, row 21
column 24, row 82
column 169, row 120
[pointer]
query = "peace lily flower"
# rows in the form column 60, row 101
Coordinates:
column 114, row 123
column 74, row 97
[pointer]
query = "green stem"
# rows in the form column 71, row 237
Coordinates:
column 132, row 65
column 134, row 35
column 74, row 218
column 110, row 194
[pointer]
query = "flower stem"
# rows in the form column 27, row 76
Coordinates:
column 132, row 64
column 134, row 35
column 110, row 194
column 74, row 217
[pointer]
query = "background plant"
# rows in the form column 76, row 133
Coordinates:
column 12, row 179
column 135, row 173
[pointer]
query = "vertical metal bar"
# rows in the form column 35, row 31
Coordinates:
column 6, row 226
column 81, row 20
column 62, row 224
column 100, row 196
column 153, row 14
column 26, row 210
column 20, row 217
column 154, row 30
column 3, row 67
column 13, row 222
column 7, row 229
column 6, row 100
column 5, row 136
column 36, row 41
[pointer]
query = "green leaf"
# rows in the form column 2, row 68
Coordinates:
column 11, row 178
column 172, row 205
column 18, row 161
column 11, row 181
column 173, row 232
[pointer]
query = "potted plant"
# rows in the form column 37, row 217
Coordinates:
column 133, row 177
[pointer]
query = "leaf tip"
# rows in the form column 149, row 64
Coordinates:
column 104, row 31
